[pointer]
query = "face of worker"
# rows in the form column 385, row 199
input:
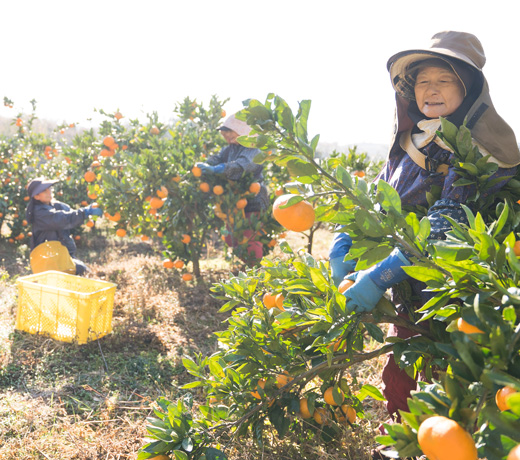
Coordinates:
column 438, row 92
column 230, row 136
column 45, row 197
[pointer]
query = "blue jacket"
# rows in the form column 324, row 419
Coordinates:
column 53, row 222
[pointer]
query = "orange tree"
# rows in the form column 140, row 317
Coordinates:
column 146, row 182
column 282, row 362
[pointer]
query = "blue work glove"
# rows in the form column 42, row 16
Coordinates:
column 340, row 268
column 91, row 211
column 371, row 284
column 208, row 169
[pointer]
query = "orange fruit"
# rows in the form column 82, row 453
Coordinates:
column 218, row 190
column 109, row 141
column 162, row 192
column 160, row 234
column 187, row 277
column 92, row 196
column 346, row 412
column 515, row 453
column 298, row 217
column 516, row 248
column 279, row 301
column 145, row 237
column 269, row 300
column 167, row 263
column 344, row 285
column 90, row 223
column 77, row 237
column 186, row 239
column 222, row 114
column 95, row 164
column 283, row 379
column 89, row 176
column 441, row 438
column 501, row 397
column 154, row 130
column 204, row 186
column 24, row 222
column 321, row 415
column 115, row 218
column 272, row 243
column 107, row 153
column 304, row 408
column 156, row 203
column 121, row 232
column 464, row 326
column 177, row 178
column 261, row 384
column 196, row 171
column 255, row 187
column 241, row 204
column 19, row 122
column 178, row 263
column 329, row 399
column 279, row 192
column 118, row 115
column 359, row 174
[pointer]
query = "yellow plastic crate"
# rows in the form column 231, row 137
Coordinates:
column 65, row 307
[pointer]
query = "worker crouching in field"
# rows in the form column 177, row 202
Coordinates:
column 52, row 220
column 233, row 161
column 442, row 80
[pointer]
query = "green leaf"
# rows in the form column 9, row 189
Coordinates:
column 214, row 454
column 318, row 279
column 344, row 177
column 388, row 197
column 370, row 391
column 430, row 276
column 180, row 455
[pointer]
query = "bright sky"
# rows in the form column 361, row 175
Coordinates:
column 141, row 56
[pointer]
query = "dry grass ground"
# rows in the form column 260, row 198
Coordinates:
column 68, row 401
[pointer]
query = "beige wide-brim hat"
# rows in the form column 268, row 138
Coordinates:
column 240, row 127
column 461, row 46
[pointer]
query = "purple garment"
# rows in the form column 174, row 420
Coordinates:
column 413, row 182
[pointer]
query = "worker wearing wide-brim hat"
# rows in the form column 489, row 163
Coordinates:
column 443, row 79
column 233, row 161
column 52, row 220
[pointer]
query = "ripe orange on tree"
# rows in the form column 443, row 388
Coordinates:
column 441, row 438
column 121, row 232
column 359, row 174
column 344, row 285
column 321, row 415
column 162, row 192
column 90, row 176
column 279, row 298
column 261, row 384
column 118, row 115
column 515, row 453
column 154, row 130
column 255, row 187
column 329, row 398
column 218, row 190
column 304, row 408
column 196, row 171
column 185, row 239
column 115, row 218
column 178, row 263
column 178, row 178
column 283, row 379
column 187, row 277
column 90, row 223
column 145, row 237
column 204, row 186
column 298, row 217
column 241, row 204
column 107, row 153
column 502, row 395
column 269, row 300
column 77, row 237
column 516, row 248
column 464, row 326
column 346, row 412
column 156, row 203
column 109, row 141
column 167, row 263
column 19, row 122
